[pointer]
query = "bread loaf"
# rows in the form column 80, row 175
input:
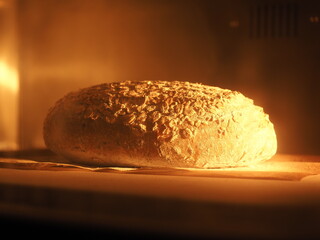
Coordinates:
column 159, row 124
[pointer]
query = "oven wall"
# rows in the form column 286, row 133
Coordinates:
column 9, row 82
column 66, row 45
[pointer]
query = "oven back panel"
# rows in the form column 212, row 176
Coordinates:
column 268, row 50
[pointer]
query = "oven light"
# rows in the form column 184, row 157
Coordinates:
column 8, row 78
column 9, row 93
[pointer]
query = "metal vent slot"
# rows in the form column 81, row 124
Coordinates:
column 274, row 20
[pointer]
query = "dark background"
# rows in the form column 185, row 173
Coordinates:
column 268, row 50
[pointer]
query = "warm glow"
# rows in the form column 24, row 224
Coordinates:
column 9, row 93
column 8, row 78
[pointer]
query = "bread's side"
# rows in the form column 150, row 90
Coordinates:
column 243, row 136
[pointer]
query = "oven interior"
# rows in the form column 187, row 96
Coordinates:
column 268, row 50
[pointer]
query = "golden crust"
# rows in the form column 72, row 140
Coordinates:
column 158, row 123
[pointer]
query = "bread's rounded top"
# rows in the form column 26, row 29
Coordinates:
column 168, row 109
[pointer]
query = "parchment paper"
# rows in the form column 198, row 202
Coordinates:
column 281, row 167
